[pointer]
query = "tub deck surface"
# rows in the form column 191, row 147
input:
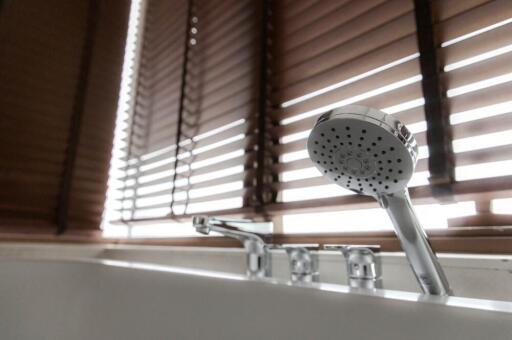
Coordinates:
column 120, row 300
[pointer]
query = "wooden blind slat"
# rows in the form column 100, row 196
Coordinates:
column 389, row 76
column 448, row 8
column 494, row 154
column 213, row 182
column 482, row 43
column 398, row 96
column 474, row 19
column 356, row 66
column 307, row 17
column 311, row 62
column 487, row 69
column 484, row 97
column 328, row 26
column 483, row 126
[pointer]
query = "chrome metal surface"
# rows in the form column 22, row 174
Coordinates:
column 258, row 259
column 304, row 263
column 371, row 153
column 364, row 270
column 413, row 239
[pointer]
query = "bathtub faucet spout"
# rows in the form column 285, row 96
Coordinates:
column 257, row 253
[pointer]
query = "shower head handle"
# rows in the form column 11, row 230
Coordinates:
column 414, row 242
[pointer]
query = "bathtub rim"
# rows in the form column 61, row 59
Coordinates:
column 403, row 296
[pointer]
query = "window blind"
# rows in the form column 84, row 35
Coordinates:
column 192, row 142
column 229, row 91
column 476, row 46
column 60, row 70
column 331, row 54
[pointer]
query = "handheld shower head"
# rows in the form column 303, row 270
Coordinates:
column 363, row 150
column 371, row 153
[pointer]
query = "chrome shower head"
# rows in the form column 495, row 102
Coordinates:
column 364, row 150
column 371, row 153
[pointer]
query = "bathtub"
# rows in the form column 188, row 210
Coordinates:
column 109, row 299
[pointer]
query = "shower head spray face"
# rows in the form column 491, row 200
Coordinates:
column 364, row 150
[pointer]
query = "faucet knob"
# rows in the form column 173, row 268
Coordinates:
column 303, row 263
column 363, row 267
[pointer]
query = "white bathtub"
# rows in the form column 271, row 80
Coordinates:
column 98, row 299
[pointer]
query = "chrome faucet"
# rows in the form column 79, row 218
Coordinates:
column 257, row 253
column 303, row 263
column 364, row 269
